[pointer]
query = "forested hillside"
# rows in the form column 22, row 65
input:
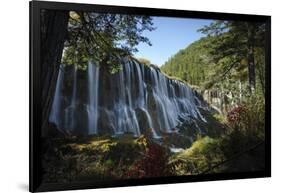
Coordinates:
column 230, row 57
column 191, row 64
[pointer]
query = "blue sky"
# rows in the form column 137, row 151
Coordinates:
column 170, row 35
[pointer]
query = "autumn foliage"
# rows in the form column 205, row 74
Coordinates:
column 235, row 115
column 153, row 164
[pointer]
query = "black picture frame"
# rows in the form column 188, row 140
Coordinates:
column 35, row 85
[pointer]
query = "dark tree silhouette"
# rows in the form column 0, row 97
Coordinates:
column 53, row 34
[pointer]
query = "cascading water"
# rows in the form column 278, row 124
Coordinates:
column 135, row 100
column 93, row 86
column 70, row 110
column 56, row 110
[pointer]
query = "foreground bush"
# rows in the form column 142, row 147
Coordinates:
column 103, row 158
column 201, row 156
column 154, row 163
column 93, row 158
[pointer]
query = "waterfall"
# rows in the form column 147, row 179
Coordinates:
column 70, row 110
column 93, row 85
column 134, row 100
column 56, row 106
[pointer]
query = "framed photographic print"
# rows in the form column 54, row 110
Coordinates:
column 125, row 96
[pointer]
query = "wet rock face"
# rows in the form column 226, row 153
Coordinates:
column 142, row 119
column 103, row 122
column 137, row 99
column 80, row 124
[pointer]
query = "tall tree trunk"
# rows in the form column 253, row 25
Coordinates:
column 251, row 61
column 261, row 78
column 260, row 66
column 240, row 91
column 53, row 34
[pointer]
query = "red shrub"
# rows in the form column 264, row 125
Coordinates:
column 153, row 164
column 236, row 114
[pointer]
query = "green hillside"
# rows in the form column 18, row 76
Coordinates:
column 232, row 60
column 192, row 64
